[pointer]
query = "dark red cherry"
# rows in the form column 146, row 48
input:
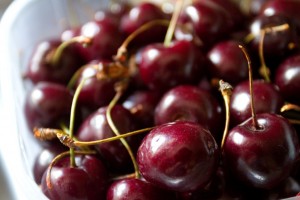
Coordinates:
column 95, row 92
column 228, row 62
column 96, row 127
column 190, row 103
column 142, row 105
column 267, row 98
column 134, row 189
column 287, row 8
column 210, row 21
column 287, row 77
column 47, row 105
column 261, row 157
column 106, row 38
column 162, row 67
column 255, row 6
column 179, row 156
column 277, row 43
column 44, row 158
column 42, row 66
column 88, row 180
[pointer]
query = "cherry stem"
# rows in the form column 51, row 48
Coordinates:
column 66, row 140
column 122, row 51
column 72, row 118
column 57, row 158
column 119, row 92
column 254, row 119
column 289, row 107
column 171, row 29
column 265, row 71
column 58, row 53
column 226, row 90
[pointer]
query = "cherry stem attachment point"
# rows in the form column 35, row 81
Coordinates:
column 226, row 90
column 253, row 112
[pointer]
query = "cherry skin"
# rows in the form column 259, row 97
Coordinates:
column 88, row 180
column 179, row 156
column 227, row 62
column 190, row 103
column 162, row 67
column 134, row 189
column 96, row 127
column 287, row 77
column 42, row 67
column 142, row 105
column 47, row 105
column 95, row 92
column 210, row 21
column 44, row 158
column 267, row 98
column 261, row 157
column 106, row 38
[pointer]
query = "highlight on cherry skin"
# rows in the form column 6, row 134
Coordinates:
column 184, row 101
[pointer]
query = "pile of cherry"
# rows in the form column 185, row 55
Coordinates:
column 125, row 73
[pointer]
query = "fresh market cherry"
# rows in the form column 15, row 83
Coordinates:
column 227, row 62
column 262, row 156
column 287, row 77
column 190, row 103
column 133, row 188
column 96, row 127
column 88, row 180
column 179, row 156
column 43, row 68
column 267, row 98
column 47, row 105
column 162, row 67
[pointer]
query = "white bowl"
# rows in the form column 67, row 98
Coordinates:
column 24, row 24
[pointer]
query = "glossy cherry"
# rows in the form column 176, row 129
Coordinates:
column 47, row 105
column 96, row 127
column 227, row 62
column 262, row 156
column 162, row 67
column 267, row 98
column 134, row 189
column 210, row 21
column 190, row 103
column 287, row 77
column 179, row 156
column 142, row 105
column 88, row 180
column 42, row 67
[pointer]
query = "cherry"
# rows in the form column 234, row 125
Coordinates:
column 180, row 156
column 267, row 98
column 106, row 38
column 47, row 105
column 42, row 67
column 139, row 15
column 227, row 62
column 133, row 188
column 162, row 67
column 288, row 8
column 287, row 77
column 88, row 180
column 44, row 158
column 96, row 127
column 190, row 103
column 95, row 92
column 261, row 157
column 279, row 42
column 142, row 104
column 210, row 21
